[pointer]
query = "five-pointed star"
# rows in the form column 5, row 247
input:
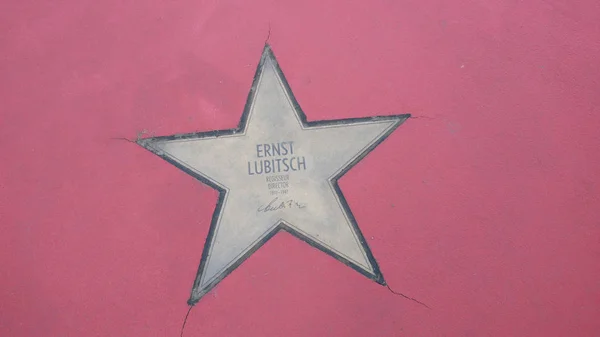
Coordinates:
column 276, row 171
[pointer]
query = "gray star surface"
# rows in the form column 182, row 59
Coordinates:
column 276, row 171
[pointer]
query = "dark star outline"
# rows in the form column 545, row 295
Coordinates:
column 268, row 53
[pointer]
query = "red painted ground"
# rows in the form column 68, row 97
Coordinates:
column 484, row 206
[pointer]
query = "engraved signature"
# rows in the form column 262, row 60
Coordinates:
column 277, row 204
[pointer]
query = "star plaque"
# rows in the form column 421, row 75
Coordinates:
column 276, row 171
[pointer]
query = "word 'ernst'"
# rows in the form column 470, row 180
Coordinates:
column 281, row 159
